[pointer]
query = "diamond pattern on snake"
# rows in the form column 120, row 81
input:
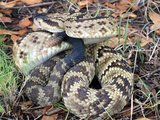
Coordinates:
column 54, row 72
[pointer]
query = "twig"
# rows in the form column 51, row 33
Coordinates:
column 155, row 71
column 3, row 23
column 34, row 5
column 53, row 110
column 154, row 50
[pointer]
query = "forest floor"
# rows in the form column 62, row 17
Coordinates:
column 140, row 45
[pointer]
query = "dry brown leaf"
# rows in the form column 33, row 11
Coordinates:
column 155, row 19
column 158, row 31
column 127, row 111
column 132, row 15
column 8, row 32
column 1, row 15
column 122, row 7
column 46, row 108
column 6, row 11
column 22, row 32
column 128, row 15
column 25, row 23
column 85, row 3
column 128, row 4
column 5, row 19
column 8, row 4
column 3, row 39
column 145, row 41
column 14, row 2
column 25, row 105
column 14, row 38
column 52, row 117
column 15, row 35
column 115, row 41
column 30, row 2
column 143, row 119
column 50, row 110
column 110, row 5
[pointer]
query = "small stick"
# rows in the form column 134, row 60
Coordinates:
column 34, row 5
column 155, row 71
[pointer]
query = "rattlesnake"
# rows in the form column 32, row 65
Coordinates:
column 113, row 72
column 91, row 30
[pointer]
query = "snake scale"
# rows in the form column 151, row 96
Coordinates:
column 65, row 75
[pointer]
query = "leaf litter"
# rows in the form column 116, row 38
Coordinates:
column 141, row 47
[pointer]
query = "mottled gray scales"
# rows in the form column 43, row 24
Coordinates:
column 103, row 101
column 49, row 82
column 116, row 64
column 103, row 30
column 121, row 84
column 101, row 23
column 82, row 93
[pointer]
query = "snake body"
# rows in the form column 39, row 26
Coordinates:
column 40, row 44
column 60, row 77
column 79, row 25
column 115, row 77
column 49, row 93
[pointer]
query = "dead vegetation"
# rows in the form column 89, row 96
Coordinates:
column 140, row 44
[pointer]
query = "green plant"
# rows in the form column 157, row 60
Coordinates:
column 7, row 79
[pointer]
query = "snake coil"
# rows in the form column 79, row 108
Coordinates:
column 68, row 77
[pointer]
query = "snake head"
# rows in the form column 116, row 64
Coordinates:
column 49, row 22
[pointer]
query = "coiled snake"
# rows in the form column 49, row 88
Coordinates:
column 69, row 77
